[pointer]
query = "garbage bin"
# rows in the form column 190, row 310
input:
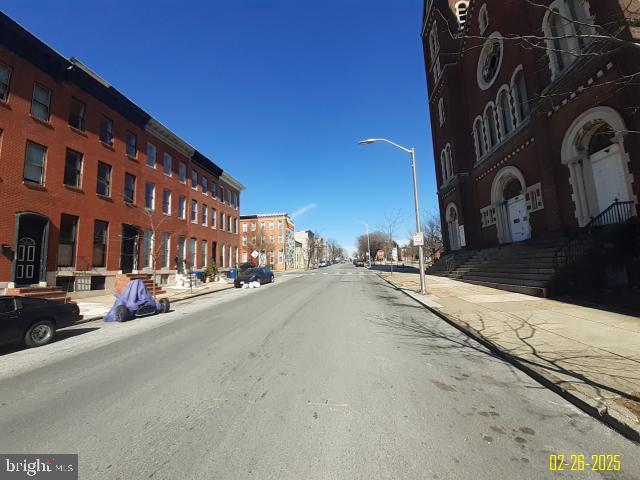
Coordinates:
column 198, row 275
column 233, row 273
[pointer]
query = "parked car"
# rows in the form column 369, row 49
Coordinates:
column 34, row 321
column 359, row 263
column 261, row 275
column 323, row 263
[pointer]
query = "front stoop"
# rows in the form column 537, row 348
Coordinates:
column 122, row 280
column 46, row 293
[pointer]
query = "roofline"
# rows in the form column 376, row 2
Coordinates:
column 232, row 181
column 264, row 215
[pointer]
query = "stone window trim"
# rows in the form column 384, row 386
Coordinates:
column 483, row 19
column 485, row 84
column 566, row 46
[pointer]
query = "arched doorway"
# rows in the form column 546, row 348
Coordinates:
column 30, row 260
column 453, row 227
column 508, row 196
column 593, row 150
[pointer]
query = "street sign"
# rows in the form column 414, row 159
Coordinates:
column 418, row 239
column 254, row 254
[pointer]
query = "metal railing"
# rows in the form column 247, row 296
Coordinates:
column 582, row 243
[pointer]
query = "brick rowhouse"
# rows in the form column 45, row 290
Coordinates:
column 92, row 186
column 271, row 234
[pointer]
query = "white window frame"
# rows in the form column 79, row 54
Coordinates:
column 153, row 196
column 166, row 204
column 151, row 158
column 167, row 164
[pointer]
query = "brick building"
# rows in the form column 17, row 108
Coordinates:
column 92, row 186
column 533, row 113
column 271, row 234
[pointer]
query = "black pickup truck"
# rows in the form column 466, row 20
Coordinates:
column 34, row 321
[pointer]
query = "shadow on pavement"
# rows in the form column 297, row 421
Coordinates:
column 61, row 335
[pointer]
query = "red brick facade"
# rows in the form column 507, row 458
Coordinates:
column 39, row 206
column 571, row 126
column 271, row 234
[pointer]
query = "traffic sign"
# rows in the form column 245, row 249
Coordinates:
column 418, row 239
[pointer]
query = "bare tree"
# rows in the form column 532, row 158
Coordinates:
column 259, row 241
column 377, row 240
column 391, row 222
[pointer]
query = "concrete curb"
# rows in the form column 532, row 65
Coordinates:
column 596, row 409
column 177, row 300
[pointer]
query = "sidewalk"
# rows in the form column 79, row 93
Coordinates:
column 590, row 356
column 94, row 308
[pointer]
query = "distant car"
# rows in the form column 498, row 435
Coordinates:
column 359, row 263
column 250, row 274
column 34, row 321
column 323, row 263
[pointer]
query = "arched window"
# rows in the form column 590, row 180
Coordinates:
column 449, row 161
column 491, row 128
column 478, row 136
column 483, row 19
column 461, row 12
column 560, row 36
column 443, row 167
column 520, row 96
column 505, row 114
column 582, row 22
column 434, row 44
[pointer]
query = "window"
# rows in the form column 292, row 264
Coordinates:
column 205, row 186
column 166, row 243
column 41, row 102
column 194, row 211
column 280, row 257
column 73, row 168
column 150, row 196
column 245, row 257
column 434, row 48
column 67, row 241
column 478, row 134
column 214, row 189
column 151, row 155
column 271, row 226
column 235, row 201
column 147, row 249
column 100, row 236
column 280, row 239
column 221, row 193
column 446, row 164
column 228, row 197
column 253, row 227
column 106, row 131
column 560, row 45
column 132, row 144
column 193, row 250
column 490, row 122
column 441, row 111
column 504, row 113
column 182, row 203
column 245, row 228
column 204, row 215
column 5, row 79
column 166, row 164
column 129, row 188
column 520, row 97
column 103, row 186
column 483, row 19
column 222, row 223
column 34, row 163
column 77, row 112
column 166, row 202
column 244, row 240
column 490, row 61
column 213, row 218
column 203, row 253
column 194, row 179
column 182, row 172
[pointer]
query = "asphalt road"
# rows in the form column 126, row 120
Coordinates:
column 331, row 375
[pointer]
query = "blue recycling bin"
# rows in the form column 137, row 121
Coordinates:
column 233, row 273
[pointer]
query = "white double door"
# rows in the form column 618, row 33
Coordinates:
column 608, row 177
column 518, row 219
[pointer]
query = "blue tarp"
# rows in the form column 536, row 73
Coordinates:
column 134, row 296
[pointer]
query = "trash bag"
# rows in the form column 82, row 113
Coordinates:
column 133, row 297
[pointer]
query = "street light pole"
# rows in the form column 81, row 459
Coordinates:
column 412, row 152
column 366, row 226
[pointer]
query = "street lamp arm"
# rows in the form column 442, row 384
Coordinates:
column 408, row 150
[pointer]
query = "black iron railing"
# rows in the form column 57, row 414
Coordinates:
column 582, row 243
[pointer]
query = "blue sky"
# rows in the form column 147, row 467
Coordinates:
column 276, row 92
